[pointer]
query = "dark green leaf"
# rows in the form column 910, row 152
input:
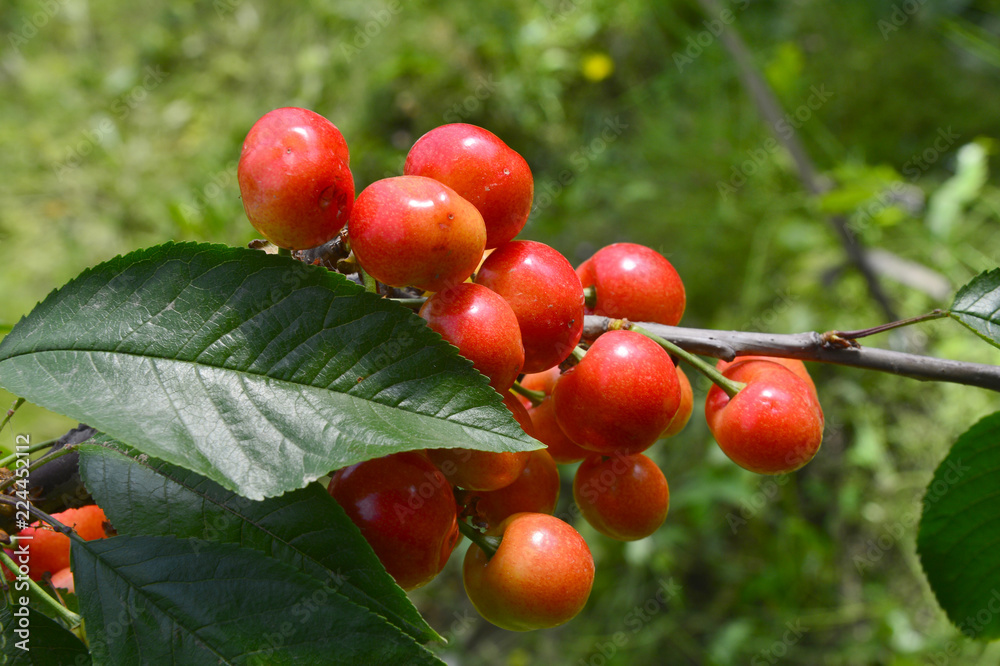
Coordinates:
column 305, row 528
column 48, row 642
column 959, row 537
column 977, row 306
column 255, row 370
column 162, row 600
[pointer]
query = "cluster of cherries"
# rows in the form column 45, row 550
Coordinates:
column 515, row 309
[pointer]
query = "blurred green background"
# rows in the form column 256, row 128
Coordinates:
column 121, row 126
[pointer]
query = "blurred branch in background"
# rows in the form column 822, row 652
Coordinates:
column 772, row 112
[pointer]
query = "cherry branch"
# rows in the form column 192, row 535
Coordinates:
column 812, row 346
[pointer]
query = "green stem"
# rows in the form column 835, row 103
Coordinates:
column 489, row 544
column 371, row 285
column 10, row 412
column 578, row 353
column 12, row 458
column 43, row 597
column 590, row 296
column 48, row 457
column 284, row 252
column 411, row 302
column 865, row 332
column 728, row 385
column 535, row 397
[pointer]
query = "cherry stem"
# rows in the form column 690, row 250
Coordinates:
column 536, row 397
column 284, row 252
column 590, row 296
column 728, row 385
column 47, row 458
column 371, row 285
column 41, row 595
column 833, row 336
column 56, row 525
column 578, row 353
column 10, row 414
column 413, row 303
column 12, row 458
column 489, row 544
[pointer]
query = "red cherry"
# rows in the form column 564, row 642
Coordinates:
column 621, row 396
column 539, row 577
column 294, row 178
column 481, row 168
column 410, row 230
column 406, row 511
column 545, row 295
column 683, row 414
column 483, row 327
column 772, row 426
column 793, row 364
column 623, row 497
column 536, row 490
column 634, row 282
column 548, row 432
column 49, row 550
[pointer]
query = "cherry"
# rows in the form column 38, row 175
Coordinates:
column 621, row 396
column 543, row 381
column 772, row 426
column 481, row 168
column 634, row 282
column 406, row 511
column 536, row 490
column 415, row 231
column 473, row 469
column 548, row 432
column 545, row 295
column 539, row 577
column 623, row 497
column 294, row 178
column 683, row 414
column 49, row 550
column 793, row 364
column 483, row 327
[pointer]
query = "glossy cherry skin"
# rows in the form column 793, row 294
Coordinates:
column 634, row 282
column 536, row 490
column 406, row 511
column 415, row 231
column 481, row 168
column 620, row 397
column 545, row 295
column 548, row 432
column 683, row 414
column 294, row 178
column 483, row 327
column 473, row 469
column 773, row 426
column 793, row 364
column 540, row 576
column 622, row 497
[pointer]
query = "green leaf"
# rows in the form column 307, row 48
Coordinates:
column 959, row 537
column 305, row 528
column 162, row 600
column 977, row 306
column 256, row 371
column 48, row 642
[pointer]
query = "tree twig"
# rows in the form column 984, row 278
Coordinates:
column 812, row 346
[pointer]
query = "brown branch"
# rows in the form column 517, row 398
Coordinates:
column 813, row 346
